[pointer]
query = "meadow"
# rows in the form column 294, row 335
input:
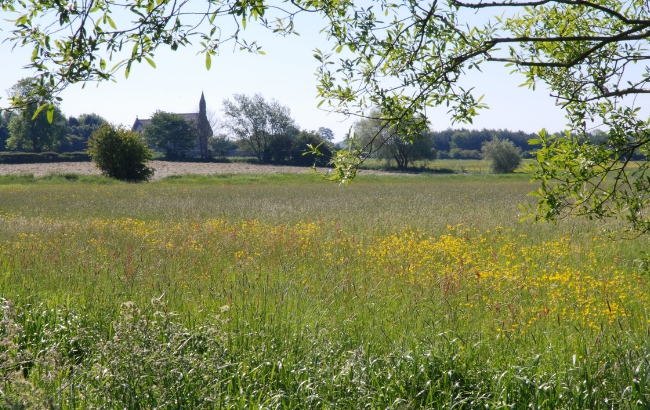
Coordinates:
column 444, row 166
column 284, row 291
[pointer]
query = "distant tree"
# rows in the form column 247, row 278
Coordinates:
column 120, row 153
column 79, row 131
column 392, row 146
column 455, row 141
column 35, row 134
column 261, row 126
column 326, row 134
column 442, row 139
column 5, row 119
column 503, row 155
column 405, row 152
column 280, row 148
column 469, row 140
column 300, row 146
column 171, row 133
column 458, row 153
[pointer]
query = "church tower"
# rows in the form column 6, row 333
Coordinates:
column 205, row 131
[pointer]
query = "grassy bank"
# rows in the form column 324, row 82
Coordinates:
column 285, row 291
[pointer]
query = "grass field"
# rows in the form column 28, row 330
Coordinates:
column 445, row 166
column 284, row 291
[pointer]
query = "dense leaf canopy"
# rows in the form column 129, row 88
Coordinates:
column 171, row 133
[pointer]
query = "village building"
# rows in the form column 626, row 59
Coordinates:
column 198, row 119
column 140, row 124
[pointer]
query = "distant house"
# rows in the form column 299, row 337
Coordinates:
column 200, row 121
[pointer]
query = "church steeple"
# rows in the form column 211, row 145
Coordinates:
column 202, row 104
column 205, row 131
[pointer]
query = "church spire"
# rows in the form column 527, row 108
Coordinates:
column 202, row 103
column 205, row 131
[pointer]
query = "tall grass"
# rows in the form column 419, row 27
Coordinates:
column 287, row 292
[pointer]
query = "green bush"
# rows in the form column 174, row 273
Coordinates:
column 503, row 155
column 120, row 154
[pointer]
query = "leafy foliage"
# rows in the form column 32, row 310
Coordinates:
column 583, row 51
column 5, row 118
column 593, row 178
column 504, row 157
column 120, row 154
column 326, row 134
column 171, row 133
column 388, row 144
column 79, row 131
column 34, row 129
column 265, row 128
column 301, row 152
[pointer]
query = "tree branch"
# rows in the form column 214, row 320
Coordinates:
column 510, row 3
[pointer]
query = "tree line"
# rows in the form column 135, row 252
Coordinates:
column 21, row 133
column 447, row 144
column 251, row 125
column 35, row 131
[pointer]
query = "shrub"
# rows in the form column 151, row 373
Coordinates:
column 503, row 155
column 120, row 154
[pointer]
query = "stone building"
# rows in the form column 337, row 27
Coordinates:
column 200, row 121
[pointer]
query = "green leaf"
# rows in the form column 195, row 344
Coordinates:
column 110, row 21
column 150, row 61
column 208, row 61
column 39, row 110
column 50, row 113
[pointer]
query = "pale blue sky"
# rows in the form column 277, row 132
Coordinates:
column 285, row 73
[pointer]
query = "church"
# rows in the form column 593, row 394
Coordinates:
column 200, row 121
